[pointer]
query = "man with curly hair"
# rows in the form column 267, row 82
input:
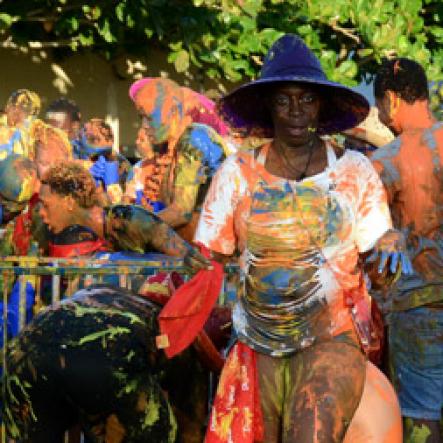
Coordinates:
column 411, row 168
column 69, row 197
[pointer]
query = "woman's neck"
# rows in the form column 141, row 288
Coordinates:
column 296, row 152
column 296, row 163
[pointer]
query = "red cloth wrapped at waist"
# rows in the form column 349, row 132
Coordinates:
column 236, row 415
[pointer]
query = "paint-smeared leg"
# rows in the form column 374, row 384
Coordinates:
column 326, row 382
column 271, row 379
column 421, row 431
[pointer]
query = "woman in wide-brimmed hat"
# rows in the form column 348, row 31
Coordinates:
column 302, row 216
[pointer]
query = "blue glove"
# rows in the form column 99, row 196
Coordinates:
column 98, row 170
column 395, row 260
column 138, row 197
column 157, row 206
column 111, row 174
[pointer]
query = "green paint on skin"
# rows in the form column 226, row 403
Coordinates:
column 12, row 426
column 80, row 311
column 122, row 379
column 173, row 431
column 152, row 412
column 130, row 387
column 108, row 333
column 419, row 434
column 130, row 355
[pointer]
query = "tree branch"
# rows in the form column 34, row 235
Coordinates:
column 348, row 32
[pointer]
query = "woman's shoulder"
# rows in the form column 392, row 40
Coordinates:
column 203, row 138
column 352, row 158
column 243, row 161
column 200, row 132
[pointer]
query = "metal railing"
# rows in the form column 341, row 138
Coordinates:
column 63, row 277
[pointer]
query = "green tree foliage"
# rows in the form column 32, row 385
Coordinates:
column 226, row 39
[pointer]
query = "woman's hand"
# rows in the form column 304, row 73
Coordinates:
column 389, row 259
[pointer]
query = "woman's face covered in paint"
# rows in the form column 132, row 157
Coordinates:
column 160, row 102
column 22, row 104
column 144, row 139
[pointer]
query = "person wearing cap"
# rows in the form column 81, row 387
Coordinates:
column 304, row 217
column 16, row 125
column 411, row 168
column 179, row 155
column 109, row 168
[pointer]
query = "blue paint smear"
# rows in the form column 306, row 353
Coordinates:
column 212, row 152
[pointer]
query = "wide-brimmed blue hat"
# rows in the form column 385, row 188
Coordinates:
column 290, row 60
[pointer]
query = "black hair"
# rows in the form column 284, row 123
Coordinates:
column 403, row 76
column 67, row 106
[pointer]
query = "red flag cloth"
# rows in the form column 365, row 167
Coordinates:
column 236, row 415
column 185, row 314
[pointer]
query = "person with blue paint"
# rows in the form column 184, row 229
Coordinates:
column 109, row 168
column 179, row 156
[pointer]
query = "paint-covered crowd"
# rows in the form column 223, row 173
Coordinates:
column 336, row 224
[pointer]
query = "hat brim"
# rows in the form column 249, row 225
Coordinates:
column 245, row 107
